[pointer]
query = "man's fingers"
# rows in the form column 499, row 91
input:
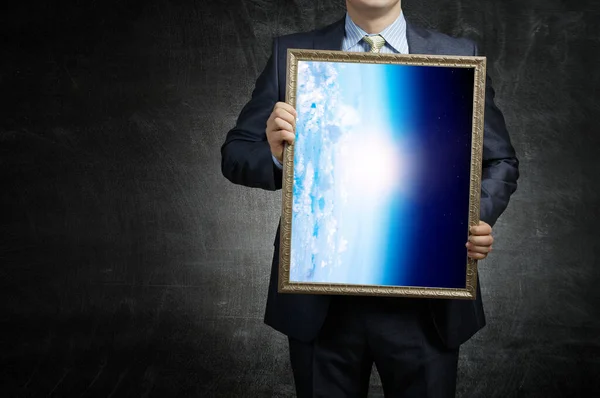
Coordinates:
column 482, row 229
column 485, row 240
column 286, row 107
column 281, row 124
column 288, row 136
column 284, row 115
column 280, row 127
column 478, row 249
column 284, row 111
column 476, row 256
column 281, row 136
column 480, row 241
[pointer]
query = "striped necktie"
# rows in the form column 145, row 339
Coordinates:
column 375, row 42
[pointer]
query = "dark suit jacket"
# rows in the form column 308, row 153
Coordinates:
column 246, row 160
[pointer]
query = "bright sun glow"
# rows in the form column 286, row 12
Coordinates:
column 371, row 166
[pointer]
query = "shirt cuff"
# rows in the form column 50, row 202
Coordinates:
column 277, row 163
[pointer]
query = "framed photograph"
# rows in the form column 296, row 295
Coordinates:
column 383, row 180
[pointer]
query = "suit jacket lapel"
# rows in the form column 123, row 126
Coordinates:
column 419, row 40
column 331, row 37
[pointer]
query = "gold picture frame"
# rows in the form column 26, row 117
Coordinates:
column 414, row 74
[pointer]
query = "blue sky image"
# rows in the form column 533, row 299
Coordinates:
column 379, row 159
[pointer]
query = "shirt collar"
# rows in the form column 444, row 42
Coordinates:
column 394, row 34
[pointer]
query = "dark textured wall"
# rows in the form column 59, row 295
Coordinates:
column 130, row 267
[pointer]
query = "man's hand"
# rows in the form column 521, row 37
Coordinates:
column 480, row 241
column 280, row 128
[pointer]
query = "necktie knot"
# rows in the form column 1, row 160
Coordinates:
column 375, row 42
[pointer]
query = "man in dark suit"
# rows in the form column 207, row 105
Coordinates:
column 335, row 340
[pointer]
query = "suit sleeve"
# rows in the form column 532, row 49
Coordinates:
column 500, row 168
column 245, row 155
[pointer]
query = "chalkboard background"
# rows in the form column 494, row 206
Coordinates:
column 129, row 266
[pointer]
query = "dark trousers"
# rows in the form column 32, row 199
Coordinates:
column 395, row 334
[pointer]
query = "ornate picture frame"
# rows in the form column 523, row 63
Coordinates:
column 384, row 178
